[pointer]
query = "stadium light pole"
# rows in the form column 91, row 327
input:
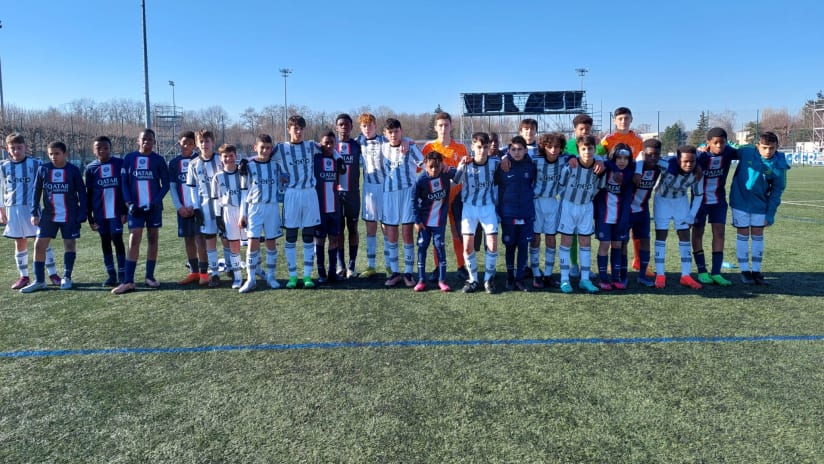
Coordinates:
column 285, row 72
column 146, row 68
column 174, row 110
column 582, row 72
column 2, row 101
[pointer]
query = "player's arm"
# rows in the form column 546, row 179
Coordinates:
column 777, row 185
column 38, row 194
column 82, row 200
column 89, row 174
column 163, row 174
column 125, row 183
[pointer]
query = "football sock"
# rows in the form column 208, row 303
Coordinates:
column 757, row 252
column 742, row 252
column 660, row 256
column 684, row 249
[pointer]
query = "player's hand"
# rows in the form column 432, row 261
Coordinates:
column 221, row 224
column 464, row 161
column 505, row 164
column 770, row 220
column 405, row 146
column 184, row 211
column 573, row 162
column 242, row 222
column 3, row 218
column 35, row 221
column 124, row 218
column 599, row 169
column 135, row 211
column 242, row 167
column 419, row 227
column 636, row 179
column 94, row 226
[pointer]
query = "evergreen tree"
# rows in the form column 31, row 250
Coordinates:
column 698, row 136
column 672, row 137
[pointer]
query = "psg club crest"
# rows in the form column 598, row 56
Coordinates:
column 106, row 171
column 142, row 163
column 436, row 185
column 57, row 175
column 648, row 175
column 715, row 162
column 343, row 148
column 328, row 164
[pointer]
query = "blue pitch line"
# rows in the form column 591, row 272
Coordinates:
column 408, row 343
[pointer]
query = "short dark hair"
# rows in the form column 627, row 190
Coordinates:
column 582, row 119
column 392, row 123
column 434, row 156
column 15, row 138
column 588, row 140
column 186, row 134
column 652, row 143
column 149, row 131
column 553, row 139
column 716, row 132
column 686, row 149
column 528, row 122
column 344, row 116
column 263, row 138
column 518, row 140
column 329, row 134
column 58, row 146
column 768, row 138
column 297, row 121
column 227, row 148
column 102, row 139
column 204, row 134
column 621, row 110
column 443, row 115
column 483, row 137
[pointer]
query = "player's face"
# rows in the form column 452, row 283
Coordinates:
column 517, row 151
column 146, row 142
column 394, row 135
column 187, row 146
column 687, row 162
column 433, row 168
column 586, row 153
column 528, row 132
column 295, row 134
column 369, row 130
column 494, row 145
column 229, row 160
column 263, row 150
column 17, row 151
column 206, row 145
column 480, row 151
column 327, row 144
column 622, row 161
column 582, row 129
column 57, row 157
column 102, row 151
column 344, row 128
column 716, row 145
column 651, row 157
column 443, row 127
column 766, row 151
column 622, row 122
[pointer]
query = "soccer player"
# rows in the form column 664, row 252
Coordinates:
column 106, row 208
column 580, row 184
column 227, row 196
column 639, row 217
column 528, row 129
column 430, row 204
column 327, row 169
column 202, row 170
column 549, row 161
column 715, row 164
column 612, row 216
column 260, row 212
column 349, row 151
column 759, row 180
column 373, row 176
column 187, row 227
column 145, row 181
column 398, row 191
column 17, row 176
column 60, row 184
column 480, row 196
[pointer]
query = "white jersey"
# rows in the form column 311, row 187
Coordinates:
column 401, row 169
column 372, row 159
column 478, row 183
column 580, row 184
column 297, row 160
column 199, row 178
column 226, row 188
column 261, row 182
column 548, row 179
column 677, row 185
column 17, row 181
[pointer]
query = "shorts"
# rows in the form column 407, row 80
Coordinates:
column 329, row 225
column 109, row 227
column 262, row 217
column 350, row 204
column 152, row 220
column 68, row 230
column 716, row 214
column 18, row 222
column 576, row 219
column 639, row 223
column 547, row 215
column 372, row 202
column 300, row 208
column 512, row 234
column 675, row 209
column 483, row 215
column 612, row 232
column 397, row 207
column 186, row 226
column 741, row 219
column 231, row 215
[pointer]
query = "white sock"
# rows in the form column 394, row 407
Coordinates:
column 584, row 259
column 371, row 250
column 757, row 252
column 742, row 251
column 684, row 249
column 473, row 266
column 308, row 259
column 22, row 259
column 271, row 262
column 490, row 262
column 564, row 258
column 660, row 256
column 291, row 250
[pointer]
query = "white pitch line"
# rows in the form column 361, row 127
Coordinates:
column 796, row 203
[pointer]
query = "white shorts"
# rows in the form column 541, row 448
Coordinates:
column 676, row 210
column 209, row 226
column 262, row 217
column 231, row 214
column 474, row 215
column 742, row 219
column 397, row 207
column 547, row 215
column 576, row 219
column 18, row 222
column 372, row 202
column 300, row 208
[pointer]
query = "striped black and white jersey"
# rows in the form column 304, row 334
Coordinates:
column 580, row 184
column 372, row 159
column 478, row 183
column 548, row 180
column 297, row 160
column 401, row 169
column 261, row 182
column 17, row 181
column 227, row 190
column 672, row 183
column 199, row 178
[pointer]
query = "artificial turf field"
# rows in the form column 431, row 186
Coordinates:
column 359, row 373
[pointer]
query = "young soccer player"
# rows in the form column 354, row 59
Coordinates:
column 145, row 181
column 678, row 175
column 60, row 184
column 260, row 212
column 349, row 191
column 430, row 204
column 300, row 202
column 528, row 129
column 480, row 196
column 202, row 170
column 228, row 195
column 373, row 177
column 398, row 191
column 453, row 152
column 715, row 164
column 579, row 186
column 187, row 227
column 612, row 216
column 759, row 180
column 639, row 217
column 107, row 211
column 549, row 162
column 328, row 168
column 516, row 210
column 17, row 175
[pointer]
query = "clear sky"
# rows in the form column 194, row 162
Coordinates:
column 674, row 57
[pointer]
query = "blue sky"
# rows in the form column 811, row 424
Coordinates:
column 675, row 57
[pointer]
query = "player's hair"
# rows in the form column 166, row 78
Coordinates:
column 518, row 140
column 652, row 143
column 685, row 149
column 15, row 138
column 482, row 137
column 433, row 156
column 588, row 140
column 58, row 146
column 528, row 122
column 494, row 137
column 263, row 138
column 621, row 110
column 102, row 139
column 553, row 139
column 582, row 119
column 443, row 115
column 186, row 134
column 343, row 116
column 329, row 134
column 768, row 138
column 149, row 131
column 366, row 118
column 620, row 149
column 204, row 134
column 227, row 148
column 392, row 123
column 296, row 121
column 716, row 132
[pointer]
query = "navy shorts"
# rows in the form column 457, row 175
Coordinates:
column 714, row 214
column 640, row 224
column 48, row 229
column 109, row 227
column 350, row 203
column 153, row 219
column 612, row 232
column 513, row 234
column 186, row 226
column 329, row 225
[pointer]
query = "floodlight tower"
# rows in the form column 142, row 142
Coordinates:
column 582, row 72
column 285, row 72
column 174, row 110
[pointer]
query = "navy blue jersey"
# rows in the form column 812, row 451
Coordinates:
column 145, row 179
column 516, row 189
column 326, row 182
column 178, row 172
column 350, row 152
column 431, row 196
column 613, row 201
column 103, row 190
column 715, row 169
column 63, row 192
